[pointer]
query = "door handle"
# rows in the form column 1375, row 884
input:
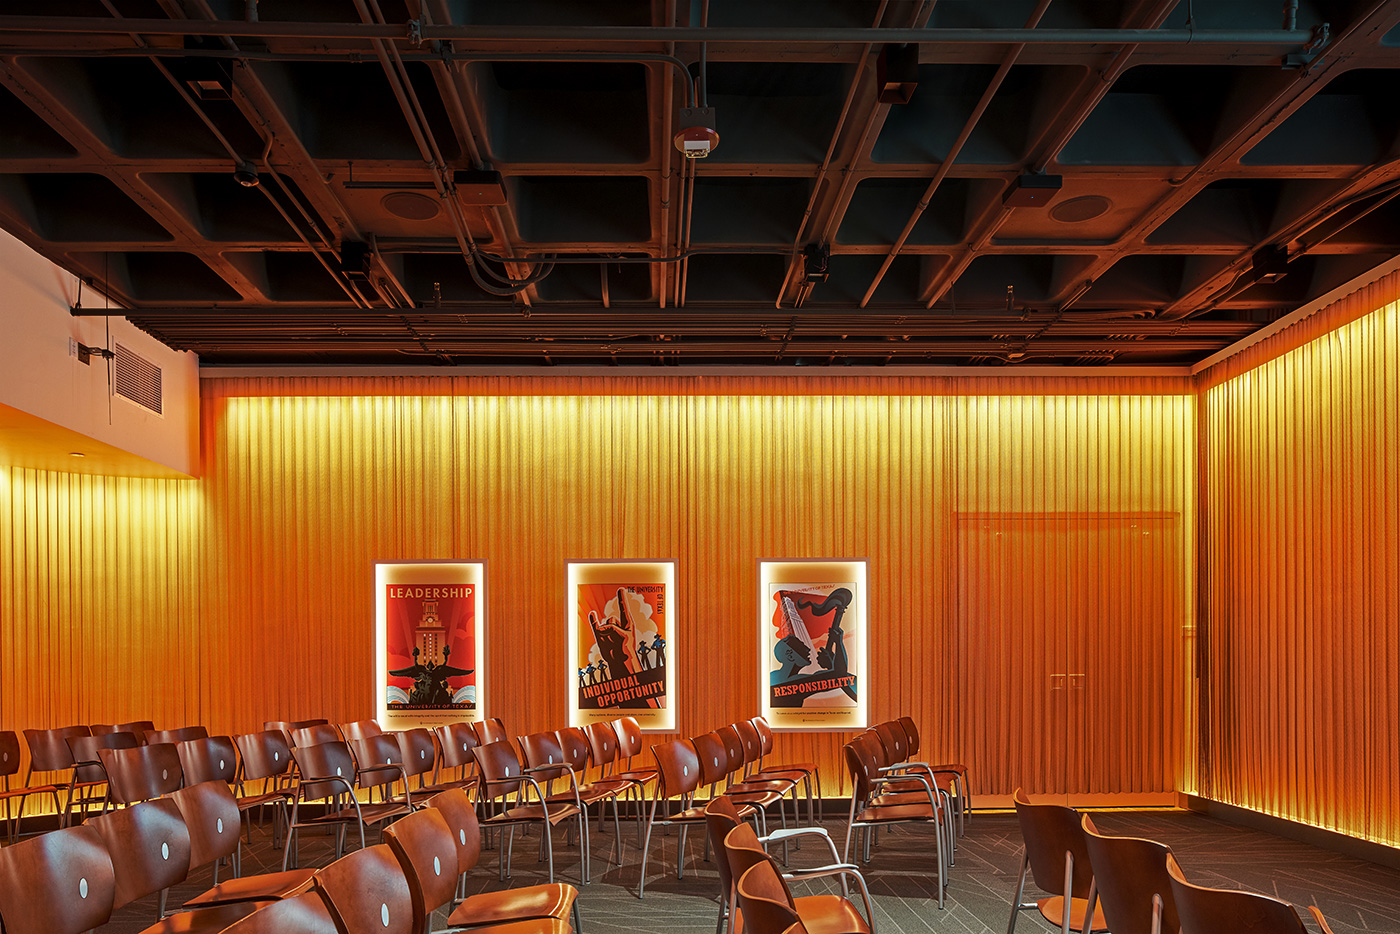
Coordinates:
column 1076, row 682
column 1057, row 682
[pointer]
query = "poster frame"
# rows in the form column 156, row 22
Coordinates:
column 807, row 571
column 642, row 571
column 428, row 571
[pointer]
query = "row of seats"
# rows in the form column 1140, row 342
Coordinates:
column 1128, row 885
column 72, row 879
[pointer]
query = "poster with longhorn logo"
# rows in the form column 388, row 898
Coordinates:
column 622, row 636
column 812, row 622
column 429, row 620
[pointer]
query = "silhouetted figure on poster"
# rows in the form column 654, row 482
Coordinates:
column 793, row 655
column 582, row 677
column 591, row 670
column 430, row 680
column 602, row 670
column 658, row 646
column 643, row 650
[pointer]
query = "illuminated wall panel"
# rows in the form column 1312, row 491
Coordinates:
column 241, row 596
column 1300, row 557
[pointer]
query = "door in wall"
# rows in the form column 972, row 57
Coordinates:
column 1071, row 656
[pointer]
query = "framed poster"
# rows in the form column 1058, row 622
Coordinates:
column 622, row 636
column 429, row 652
column 812, row 643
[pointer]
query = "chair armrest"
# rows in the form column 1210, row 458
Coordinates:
column 844, row 870
column 780, row 836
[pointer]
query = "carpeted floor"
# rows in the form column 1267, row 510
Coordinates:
column 1356, row 896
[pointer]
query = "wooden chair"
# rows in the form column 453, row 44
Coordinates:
column 489, row 731
column 455, row 744
column 360, row 729
column 327, row 775
column 60, row 882
column 9, row 765
column 575, row 744
column 150, row 846
column 307, row 913
column 368, row 893
column 265, row 757
column 887, row 742
column 603, row 750
column 502, row 776
column 1057, row 858
column 378, row 764
column 870, row 809
column 762, row 905
column 555, row 901
column 175, row 736
column 88, row 772
column 737, row 784
column 212, row 817
column 1132, row 881
column 1204, row 910
column 830, row 914
column 546, row 761
column 137, row 727
column 49, row 752
column 141, row 773
column 964, row 797
column 767, row 769
column 714, row 768
column 679, row 770
column 315, row 734
column 629, row 746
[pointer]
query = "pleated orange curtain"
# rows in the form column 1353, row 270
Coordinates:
column 1300, row 553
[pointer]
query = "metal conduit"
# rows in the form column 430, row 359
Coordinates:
column 735, row 35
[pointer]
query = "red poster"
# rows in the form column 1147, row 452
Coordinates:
column 430, row 631
column 622, row 646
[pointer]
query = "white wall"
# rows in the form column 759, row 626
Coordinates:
column 39, row 377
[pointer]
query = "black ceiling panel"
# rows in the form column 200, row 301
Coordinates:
column 77, row 208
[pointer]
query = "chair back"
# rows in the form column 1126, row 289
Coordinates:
column 911, row 734
column 306, row 913
column 315, row 734
column 422, row 843
column 60, row 882
column 895, row 743
column 176, row 736
column 368, row 892
column 455, row 744
column 489, row 731
column 763, row 900
column 765, row 734
column 1205, row 911
column 417, row 751
column 360, row 729
column 713, row 757
column 265, row 754
column 1128, row 871
column 208, row 759
column 9, row 753
column 141, row 772
column 602, row 744
column 326, row 770
column 87, row 764
column 378, row 757
column 748, row 736
column 139, row 727
column 541, row 751
column 500, row 769
column 49, row 750
column 680, row 768
column 733, row 747
column 721, row 816
column 573, row 740
column 151, row 845
column 460, row 814
column 629, row 737
column 863, row 767
column 211, row 817
column 1051, row 831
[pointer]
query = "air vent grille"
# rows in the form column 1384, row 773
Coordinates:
column 137, row 379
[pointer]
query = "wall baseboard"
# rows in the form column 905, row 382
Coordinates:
column 1304, row 833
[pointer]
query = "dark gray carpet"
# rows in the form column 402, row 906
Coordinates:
column 1356, row 896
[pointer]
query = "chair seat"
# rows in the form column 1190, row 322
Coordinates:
column 528, row 903
column 533, row 812
column 830, row 914
column 760, row 799
column 371, row 814
column 636, row 775
column 1052, row 909
column 248, row 802
column 916, row 796
column 34, row 790
column 608, row 786
column 205, row 920
column 791, row 767
column 529, row 926
column 741, row 788
column 882, row 814
column 273, row 886
column 780, row 775
column 586, row 795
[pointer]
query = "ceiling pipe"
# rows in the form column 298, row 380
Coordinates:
column 947, row 164
column 831, row 151
column 731, row 35
column 668, row 158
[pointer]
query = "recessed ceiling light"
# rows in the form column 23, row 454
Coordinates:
column 76, row 454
